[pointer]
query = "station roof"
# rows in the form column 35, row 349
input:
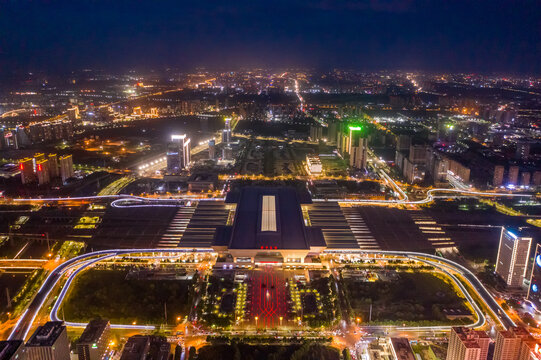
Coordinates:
column 269, row 218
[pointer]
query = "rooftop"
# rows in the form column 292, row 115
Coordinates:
column 9, row 348
column 93, row 331
column 46, row 335
column 269, row 218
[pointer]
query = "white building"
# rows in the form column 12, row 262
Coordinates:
column 513, row 254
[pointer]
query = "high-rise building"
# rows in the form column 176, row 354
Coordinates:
column 37, row 158
column 523, row 150
column 357, row 148
column 12, row 350
column 513, row 254
column 227, row 153
column 49, row 342
column 212, row 149
column 73, row 113
column 42, row 172
column 53, row 166
column 534, row 291
column 66, row 167
column 178, row 154
column 512, row 178
column 467, row 344
column 93, row 342
column 509, row 343
column 530, row 350
column 226, row 132
column 27, row 170
column 316, row 132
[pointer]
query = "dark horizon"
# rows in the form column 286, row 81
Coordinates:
column 421, row 35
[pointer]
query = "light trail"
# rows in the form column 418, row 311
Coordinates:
column 23, row 326
column 83, row 261
column 428, row 199
column 476, row 284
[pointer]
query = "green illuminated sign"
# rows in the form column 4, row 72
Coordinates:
column 355, row 128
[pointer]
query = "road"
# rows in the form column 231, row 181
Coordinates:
column 81, row 262
column 473, row 281
column 430, row 196
column 22, row 263
column 21, row 329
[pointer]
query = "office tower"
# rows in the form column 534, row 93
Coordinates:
column 49, row 342
column 53, row 166
column 212, row 149
column 226, row 132
column 534, row 291
column 178, row 154
column 93, row 342
column 467, row 344
column 12, row 350
column 66, row 167
column 513, row 254
column 42, row 172
column 27, row 170
column 509, row 343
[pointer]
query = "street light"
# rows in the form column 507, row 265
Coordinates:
column 256, row 318
column 281, row 318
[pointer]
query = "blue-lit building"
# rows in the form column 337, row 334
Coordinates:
column 534, row 291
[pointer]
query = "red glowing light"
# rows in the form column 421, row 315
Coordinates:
column 21, row 166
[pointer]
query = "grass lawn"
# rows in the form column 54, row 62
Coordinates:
column 107, row 294
column 412, row 298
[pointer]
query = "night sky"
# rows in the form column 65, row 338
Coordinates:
column 453, row 35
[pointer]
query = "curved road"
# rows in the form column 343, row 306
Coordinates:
column 21, row 329
column 26, row 320
column 118, row 200
column 481, row 290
